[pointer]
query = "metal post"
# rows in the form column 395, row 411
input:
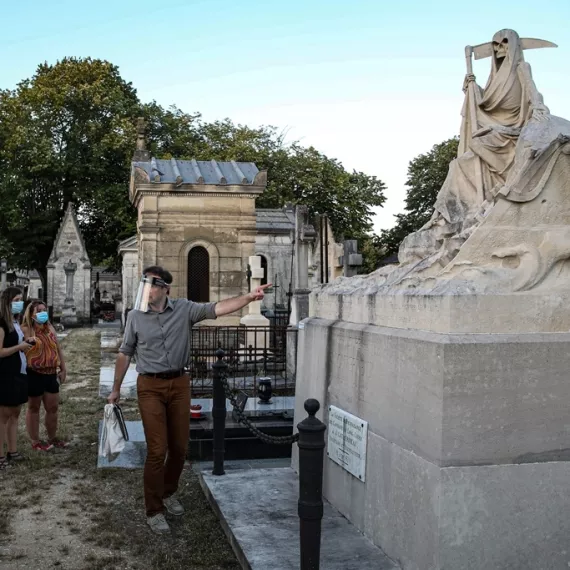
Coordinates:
column 219, row 413
column 310, row 507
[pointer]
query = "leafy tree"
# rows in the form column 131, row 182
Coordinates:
column 296, row 174
column 426, row 175
column 68, row 134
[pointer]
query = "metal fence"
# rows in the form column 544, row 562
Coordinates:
column 251, row 353
column 277, row 317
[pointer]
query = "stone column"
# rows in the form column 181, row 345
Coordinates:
column 254, row 318
column 70, row 269
column 148, row 246
column 69, row 313
column 303, row 235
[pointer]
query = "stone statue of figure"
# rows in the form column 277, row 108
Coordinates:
column 493, row 119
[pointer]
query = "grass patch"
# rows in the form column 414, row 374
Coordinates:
column 105, row 508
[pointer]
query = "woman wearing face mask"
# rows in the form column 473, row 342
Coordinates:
column 13, row 383
column 46, row 369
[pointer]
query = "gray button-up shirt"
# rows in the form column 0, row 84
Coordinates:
column 161, row 341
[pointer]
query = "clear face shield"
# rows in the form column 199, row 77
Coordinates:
column 145, row 296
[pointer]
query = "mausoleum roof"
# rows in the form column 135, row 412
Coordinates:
column 274, row 220
column 200, row 172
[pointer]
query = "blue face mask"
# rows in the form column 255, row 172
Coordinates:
column 42, row 317
column 17, row 307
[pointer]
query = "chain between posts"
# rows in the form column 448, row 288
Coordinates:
column 243, row 419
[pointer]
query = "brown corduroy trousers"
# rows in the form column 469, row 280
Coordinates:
column 165, row 412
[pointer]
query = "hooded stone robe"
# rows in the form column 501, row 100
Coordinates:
column 503, row 108
column 487, row 152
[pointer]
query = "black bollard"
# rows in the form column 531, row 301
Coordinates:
column 310, row 507
column 219, row 413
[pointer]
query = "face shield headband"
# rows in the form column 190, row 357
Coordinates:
column 143, row 294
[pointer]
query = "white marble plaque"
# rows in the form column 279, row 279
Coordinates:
column 347, row 437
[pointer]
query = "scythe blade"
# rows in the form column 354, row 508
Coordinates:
column 482, row 51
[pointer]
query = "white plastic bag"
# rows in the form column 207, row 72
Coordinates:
column 112, row 437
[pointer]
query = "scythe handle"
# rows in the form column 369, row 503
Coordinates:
column 468, row 59
column 472, row 94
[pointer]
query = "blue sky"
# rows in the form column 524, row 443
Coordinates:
column 372, row 83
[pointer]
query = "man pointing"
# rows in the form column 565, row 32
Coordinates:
column 158, row 332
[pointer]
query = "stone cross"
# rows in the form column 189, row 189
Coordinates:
column 254, row 318
column 351, row 260
column 257, row 275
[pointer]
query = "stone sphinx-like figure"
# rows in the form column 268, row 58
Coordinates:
column 508, row 138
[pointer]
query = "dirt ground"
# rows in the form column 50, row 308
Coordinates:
column 57, row 510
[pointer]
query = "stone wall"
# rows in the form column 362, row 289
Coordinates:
column 170, row 226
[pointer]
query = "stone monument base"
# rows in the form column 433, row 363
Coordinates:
column 468, row 449
column 69, row 317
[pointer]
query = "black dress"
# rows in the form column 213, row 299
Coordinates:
column 13, row 384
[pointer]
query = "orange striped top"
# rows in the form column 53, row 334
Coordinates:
column 44, row 356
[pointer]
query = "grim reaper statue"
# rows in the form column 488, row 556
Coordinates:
column 508, row 143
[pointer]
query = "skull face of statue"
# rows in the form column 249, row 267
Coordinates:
column 501, row 48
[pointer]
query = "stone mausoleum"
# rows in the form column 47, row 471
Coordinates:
column 197, row 219
column 69, row 273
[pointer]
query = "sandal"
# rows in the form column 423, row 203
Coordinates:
column 3, row 463
column 16, row 456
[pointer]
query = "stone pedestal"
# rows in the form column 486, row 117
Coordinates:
column 468, row 460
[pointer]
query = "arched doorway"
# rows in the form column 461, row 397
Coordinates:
column 199, row 275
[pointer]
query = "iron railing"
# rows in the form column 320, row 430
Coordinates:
column 251, row 353
column 277, row 317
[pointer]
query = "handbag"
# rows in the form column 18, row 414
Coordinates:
column 121, row 419
column 114, row 432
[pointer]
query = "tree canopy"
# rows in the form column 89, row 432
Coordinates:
column 426, row 175
column 68, row 134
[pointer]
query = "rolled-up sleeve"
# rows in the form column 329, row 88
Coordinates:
column 201, row 311
column 129, row 343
